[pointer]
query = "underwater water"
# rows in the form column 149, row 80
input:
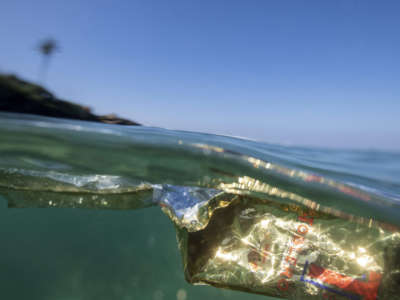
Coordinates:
column 78, row 254
column 79, row 201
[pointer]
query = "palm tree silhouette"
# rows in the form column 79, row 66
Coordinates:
column 47, row 48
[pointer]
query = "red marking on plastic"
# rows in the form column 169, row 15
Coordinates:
column 302, row 229
column 369, row 290
column 283, row 285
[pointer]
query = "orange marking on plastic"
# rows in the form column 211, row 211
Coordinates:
column 288, row 273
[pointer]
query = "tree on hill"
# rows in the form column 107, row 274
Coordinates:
column 46, row 48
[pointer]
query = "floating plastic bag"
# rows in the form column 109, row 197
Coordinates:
column 288, row 251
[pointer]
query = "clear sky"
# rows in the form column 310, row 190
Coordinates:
column 320, row 73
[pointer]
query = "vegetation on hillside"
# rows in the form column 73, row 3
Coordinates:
column 20, row 96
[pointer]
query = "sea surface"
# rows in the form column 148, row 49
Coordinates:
column 79, row 201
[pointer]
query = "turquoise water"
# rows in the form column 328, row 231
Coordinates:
column 85, row 254
column 111, row 249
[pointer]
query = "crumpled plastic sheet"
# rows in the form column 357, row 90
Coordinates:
column 282, row 250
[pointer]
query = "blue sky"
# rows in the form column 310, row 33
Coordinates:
column 319, row 73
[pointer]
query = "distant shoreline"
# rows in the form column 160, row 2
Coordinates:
column 20, row 96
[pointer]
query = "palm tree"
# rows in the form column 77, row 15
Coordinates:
column 47, row 48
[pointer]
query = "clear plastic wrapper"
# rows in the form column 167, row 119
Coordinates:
column 287, row 251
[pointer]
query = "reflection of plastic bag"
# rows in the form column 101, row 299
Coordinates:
column 289, row 251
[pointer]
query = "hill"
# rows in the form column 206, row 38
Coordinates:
column 19, row 96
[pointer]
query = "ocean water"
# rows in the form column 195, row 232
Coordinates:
column 79, row 214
